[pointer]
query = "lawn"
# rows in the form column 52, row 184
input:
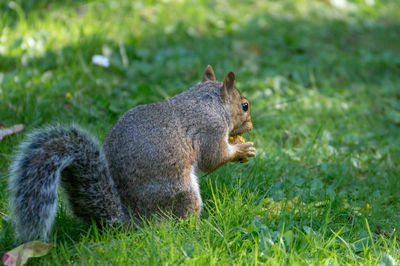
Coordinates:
column 324, row 85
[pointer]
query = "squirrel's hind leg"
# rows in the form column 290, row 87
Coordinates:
column 185, row 204
column 176, row 195
column 188, row 201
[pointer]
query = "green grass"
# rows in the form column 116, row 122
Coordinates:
column 324, row 84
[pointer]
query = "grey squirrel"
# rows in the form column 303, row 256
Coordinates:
column 146, row 166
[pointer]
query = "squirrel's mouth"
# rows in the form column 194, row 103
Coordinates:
column 241, row 130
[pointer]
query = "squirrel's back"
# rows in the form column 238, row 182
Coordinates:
column 154, row 142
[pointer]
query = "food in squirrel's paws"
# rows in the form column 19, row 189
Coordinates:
column 236, row 139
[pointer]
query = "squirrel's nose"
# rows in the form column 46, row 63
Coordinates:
column 250, row 125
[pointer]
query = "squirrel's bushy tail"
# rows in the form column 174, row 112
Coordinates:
column 68, row 156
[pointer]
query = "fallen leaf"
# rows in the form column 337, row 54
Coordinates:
column 5, row 132
column 21, row 254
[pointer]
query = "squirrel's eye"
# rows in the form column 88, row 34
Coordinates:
column 245, row 106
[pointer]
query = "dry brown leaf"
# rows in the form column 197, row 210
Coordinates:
column 8, row 131
column 21, row 254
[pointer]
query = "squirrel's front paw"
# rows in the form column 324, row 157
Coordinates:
column 243, row 152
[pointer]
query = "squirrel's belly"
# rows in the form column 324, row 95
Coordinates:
column 194, row 185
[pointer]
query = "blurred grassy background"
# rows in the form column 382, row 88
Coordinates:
column 323, row 82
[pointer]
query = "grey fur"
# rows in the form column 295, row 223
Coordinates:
column 68, row 155
column 148, row 165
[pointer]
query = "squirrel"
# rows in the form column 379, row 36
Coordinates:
column 147, row 164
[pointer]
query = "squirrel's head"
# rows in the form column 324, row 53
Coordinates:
column 237, row 105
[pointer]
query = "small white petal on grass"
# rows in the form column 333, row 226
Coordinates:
column 100, row 60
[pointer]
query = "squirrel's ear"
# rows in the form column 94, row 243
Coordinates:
column 209, row 74
column 229, row 85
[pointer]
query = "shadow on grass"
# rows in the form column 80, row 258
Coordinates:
column 353, row 59
column 22, row 9
column 334, row 50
